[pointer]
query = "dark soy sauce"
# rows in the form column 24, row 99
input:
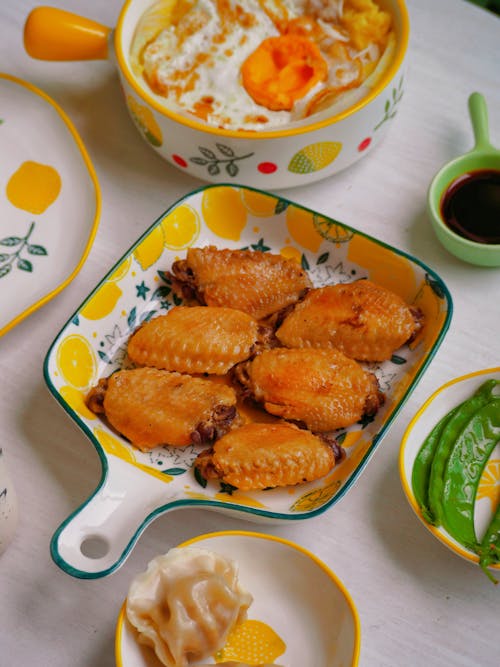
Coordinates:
column 471, row 206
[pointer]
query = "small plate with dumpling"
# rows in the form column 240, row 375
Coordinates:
column 194, row 367
column 237, row 598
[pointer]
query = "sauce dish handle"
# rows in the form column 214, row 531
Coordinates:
column 54, row 34
column 479, row 117
column 98, row 537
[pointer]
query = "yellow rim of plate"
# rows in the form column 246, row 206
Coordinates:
column 272, row 538
column 440, row 535
column 90, row 168
column 126, row 70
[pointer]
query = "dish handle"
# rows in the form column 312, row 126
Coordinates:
column 97, row 538
column 55, row 34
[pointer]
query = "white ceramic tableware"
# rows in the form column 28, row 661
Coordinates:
column 447, row 397
column 301, row 613
column 135, row 486
column 49, row 200
column 281, row 158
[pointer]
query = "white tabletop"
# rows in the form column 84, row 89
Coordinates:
column 419, row 604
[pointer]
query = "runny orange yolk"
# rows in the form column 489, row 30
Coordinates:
column 282, row 70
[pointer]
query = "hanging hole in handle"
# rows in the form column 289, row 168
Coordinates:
column 94, row 547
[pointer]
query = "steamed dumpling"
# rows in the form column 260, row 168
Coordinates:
column 186, row 603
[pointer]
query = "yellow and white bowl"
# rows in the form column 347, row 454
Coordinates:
column 433, row 410
column 301, row 613
column 280, row 158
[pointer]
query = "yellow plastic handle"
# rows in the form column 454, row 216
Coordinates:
column 54, row 34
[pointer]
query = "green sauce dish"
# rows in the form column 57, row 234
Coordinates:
column 464, row 197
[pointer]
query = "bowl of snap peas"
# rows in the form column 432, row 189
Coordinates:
column 449, row 465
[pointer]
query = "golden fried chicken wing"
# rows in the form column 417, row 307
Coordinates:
column 152, row 407
column 258, row 283
column 321, row 388
column 365, row 321
column 258, row 456
column 200, row 339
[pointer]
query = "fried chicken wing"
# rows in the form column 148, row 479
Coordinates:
column 365, row 321
column 200, row 339
column 258, row 456
column 258, row 283
column 321, row 388
column 154, row 407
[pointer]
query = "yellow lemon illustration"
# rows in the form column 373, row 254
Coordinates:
column 121, row 270
column 489, row 486
column 385, row 267
column 300, row 224
column 112, row 445
column 252, row 642
column 144, row 118
column 258, row 203
column 313, row 499
column 331, row 230
column 150, row 249
column 181, row 228
column 224, row 212
column 76, row 361
column 314, row 157
column 33, row 187
column 289, row 252
column 351, row 439
column 76, row 401
column 102, row 303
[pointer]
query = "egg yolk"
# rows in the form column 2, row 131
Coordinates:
column 282, row 70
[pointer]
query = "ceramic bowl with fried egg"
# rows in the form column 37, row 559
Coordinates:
column 270, row 101
column 135, row 486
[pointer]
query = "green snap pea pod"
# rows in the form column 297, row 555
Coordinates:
column 421, row 471
column 463, row 471
column 489, row 551
column 450, row 433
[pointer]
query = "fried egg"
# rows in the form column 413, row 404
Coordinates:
column 257, row 64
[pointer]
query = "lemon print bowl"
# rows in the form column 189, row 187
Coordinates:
column 49, row 200
column 481, row 499
column 301, row 612
column 137, row 487
column 273, row 155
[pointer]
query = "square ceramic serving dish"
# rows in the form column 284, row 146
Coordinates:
column 136, row 487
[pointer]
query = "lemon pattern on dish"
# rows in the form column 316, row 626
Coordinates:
column 224, row 212
column 489, row 486
column 150, row 248
column 76, row 361
column 258, row 204
column 314, row 157
column 112, row 445
column 145, row 121
column 252, row 642
column 105, row 299
column 33, row 187
column 181, row 228
column 300, row 225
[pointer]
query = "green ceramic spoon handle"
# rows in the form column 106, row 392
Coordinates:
column 479, row 117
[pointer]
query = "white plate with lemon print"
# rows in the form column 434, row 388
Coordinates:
column 49, row 200
column 136, row 487
column 301, row 613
